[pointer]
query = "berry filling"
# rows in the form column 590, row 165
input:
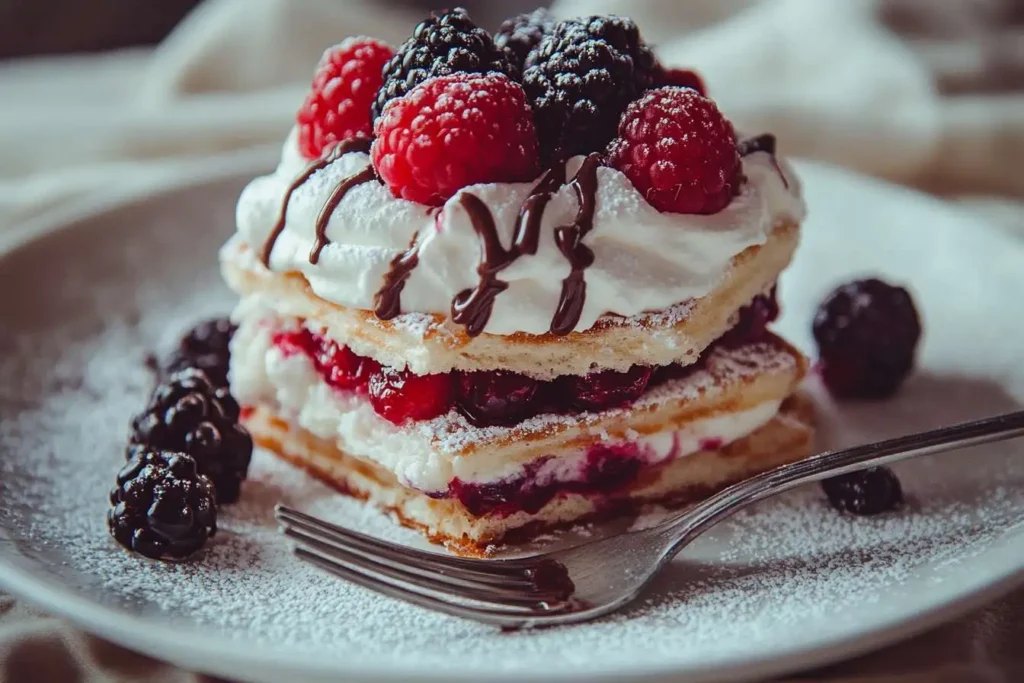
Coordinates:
column 605, row 470
column 499, row 398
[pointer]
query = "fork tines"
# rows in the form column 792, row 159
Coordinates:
column 504, row 592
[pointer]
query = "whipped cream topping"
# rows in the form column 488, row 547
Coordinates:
column 644, row 260
column 262, row 374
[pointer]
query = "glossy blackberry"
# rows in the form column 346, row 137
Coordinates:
column 868, row 492
column 579, row 80
column 521, row 34
column 441, row 45
column 205, row 347
column 867, row 333
column 187, row 414
column 161, row 506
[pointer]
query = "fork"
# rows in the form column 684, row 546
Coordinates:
column 598, row 577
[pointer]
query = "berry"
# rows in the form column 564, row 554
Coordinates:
column 606, row 389
column 579, row 80
column 342, row 368
column 162, row 506
column 679, row 151
column 684, row 78
column 296, row 341
column 497, row 398
column 867, row 333
column 187, row 414
column 440, row 46
column 455, row 131
column 399, row 395
column 205, row 346
column 344, row 88
column 868, row 492
column 521, row 34
column 753, row 320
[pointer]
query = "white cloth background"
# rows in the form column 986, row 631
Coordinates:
column 916, row 91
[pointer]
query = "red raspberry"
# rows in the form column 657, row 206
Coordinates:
column 678, row 150
column 345, row 85
column 342, row 368
column 453, row 131
column 399, row 395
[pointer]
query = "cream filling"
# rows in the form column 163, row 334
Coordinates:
column 644, row 259
column 262, row 373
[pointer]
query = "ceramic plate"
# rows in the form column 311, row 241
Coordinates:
column 784, row 586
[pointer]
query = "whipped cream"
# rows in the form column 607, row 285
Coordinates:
column 644, row 260
column 262, row 373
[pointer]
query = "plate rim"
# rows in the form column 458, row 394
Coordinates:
column 116, row 624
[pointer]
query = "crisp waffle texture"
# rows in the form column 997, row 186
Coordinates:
column 786, row 438
column 428, row 343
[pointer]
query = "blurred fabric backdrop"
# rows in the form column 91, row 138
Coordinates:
column 117, row 96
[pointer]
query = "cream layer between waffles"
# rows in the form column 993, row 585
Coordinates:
column 562, row 339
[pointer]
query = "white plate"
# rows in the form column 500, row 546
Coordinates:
column 787, row 586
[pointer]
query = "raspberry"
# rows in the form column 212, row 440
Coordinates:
column 521, row 34
column 162, row 506
column 579, row 80
column 344, row 87
column 684, row 78
column 607, row 389
column 440, row 46
column 868, row 492
column 399, row 396
column 188, row 414
column 867, row 333
column 679, row 151
column 455, row 131
column 497, row 398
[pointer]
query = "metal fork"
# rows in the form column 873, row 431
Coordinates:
column 598, row 577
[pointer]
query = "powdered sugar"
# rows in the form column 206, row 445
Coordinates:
column 789, row 563
column 789, row 574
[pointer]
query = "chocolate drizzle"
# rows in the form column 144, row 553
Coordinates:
column 762, row 143
column 387, row 302
column 569, row 239
column 321, row 241
column 472, row 307
column 351, row 145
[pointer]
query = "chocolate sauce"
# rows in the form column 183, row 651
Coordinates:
column 335, row 153
column 321, row 241
column 472, row 307
column 387, row 302
column 569, row 239
column 762, row 143
column 758, row 143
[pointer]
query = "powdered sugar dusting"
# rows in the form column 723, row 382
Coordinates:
column 788, row 564
column 789, row 573
column 452, row 433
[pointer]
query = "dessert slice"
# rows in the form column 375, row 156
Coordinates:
column 492, row 315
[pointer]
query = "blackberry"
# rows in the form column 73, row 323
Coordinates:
column 441, row 45
column 205, row 347
column 867, row 333
column 187, row 414
column 162, row 506
column 868, row 492
column 580, row 78
column 521, row 34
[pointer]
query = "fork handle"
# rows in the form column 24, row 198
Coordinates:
column 681, row 530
